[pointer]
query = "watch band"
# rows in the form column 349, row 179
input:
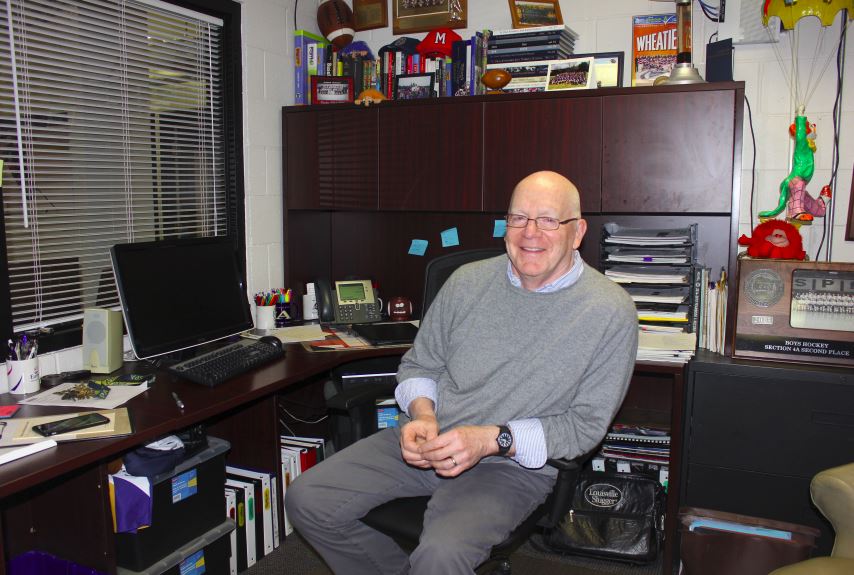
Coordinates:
column 504, row 440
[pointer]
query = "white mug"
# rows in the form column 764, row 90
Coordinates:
column 265, row 317
column 23, row 375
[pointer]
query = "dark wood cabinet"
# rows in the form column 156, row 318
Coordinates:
column 522, row 137
column 757, row 432
column 330, row 159
column 431, row 156
column 362, row 183
column 670, row 152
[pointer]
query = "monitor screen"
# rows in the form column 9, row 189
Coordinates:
column 176, row 294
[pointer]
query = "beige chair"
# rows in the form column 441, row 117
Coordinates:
column 833, row 493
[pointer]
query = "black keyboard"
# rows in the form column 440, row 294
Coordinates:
column 220, row 365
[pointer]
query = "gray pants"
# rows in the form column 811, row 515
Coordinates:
column 466, row 516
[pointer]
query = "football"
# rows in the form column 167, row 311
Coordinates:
column 335, row 20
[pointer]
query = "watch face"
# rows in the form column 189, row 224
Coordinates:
column 505, row 439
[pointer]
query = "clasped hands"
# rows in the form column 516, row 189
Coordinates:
column 449, row 453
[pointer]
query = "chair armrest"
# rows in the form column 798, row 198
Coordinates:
column 359, row 395
column 564, row 489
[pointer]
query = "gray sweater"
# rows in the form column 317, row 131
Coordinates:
column 500, row 353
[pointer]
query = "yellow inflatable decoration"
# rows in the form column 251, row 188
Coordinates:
column 790, row 11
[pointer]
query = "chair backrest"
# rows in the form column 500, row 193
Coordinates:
column 440, row 269
column 832, row 492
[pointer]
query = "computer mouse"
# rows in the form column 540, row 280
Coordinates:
column 272, row 340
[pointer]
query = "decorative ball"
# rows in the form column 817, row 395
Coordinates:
column 335, row 20
column 496, row 79
column 399, row 308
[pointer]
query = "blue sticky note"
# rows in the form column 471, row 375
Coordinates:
column 418, row 248
column 450, row 238
column 500, row 229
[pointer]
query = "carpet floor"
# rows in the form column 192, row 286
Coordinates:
column 296, row 557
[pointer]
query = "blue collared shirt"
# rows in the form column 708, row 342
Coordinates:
column 528, row 435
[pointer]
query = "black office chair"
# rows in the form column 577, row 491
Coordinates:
column 350, row 399
column 353, row 414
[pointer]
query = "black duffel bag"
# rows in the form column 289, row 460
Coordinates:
column 613, row 515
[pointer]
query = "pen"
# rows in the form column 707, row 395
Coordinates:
column 178, row 401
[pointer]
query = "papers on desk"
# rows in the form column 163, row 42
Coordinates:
column 74, row 394
column 291, row 334
column 649, row 275
column 675, row 347
column 646, row 237
column 19, row 431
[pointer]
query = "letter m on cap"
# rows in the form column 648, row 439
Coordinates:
column 440, row 37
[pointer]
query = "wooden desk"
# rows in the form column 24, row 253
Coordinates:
column 56, row 500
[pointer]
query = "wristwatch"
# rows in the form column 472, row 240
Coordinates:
column 504, row 440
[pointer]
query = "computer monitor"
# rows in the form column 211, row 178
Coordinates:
column 177, row 294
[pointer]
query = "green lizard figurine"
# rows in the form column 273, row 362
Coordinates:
column 803, row 161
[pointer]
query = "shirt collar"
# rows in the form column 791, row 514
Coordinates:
column 564, row 281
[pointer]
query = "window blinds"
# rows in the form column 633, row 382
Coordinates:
column 111, row 129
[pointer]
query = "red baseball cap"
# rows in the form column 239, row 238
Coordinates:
column 438, row 41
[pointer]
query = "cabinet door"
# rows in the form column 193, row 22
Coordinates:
column 430, row 156
column 668, row 152
column 301, row 161
column 354, row 159
column 521, row 137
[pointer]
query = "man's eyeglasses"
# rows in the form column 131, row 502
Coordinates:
column 544, row 223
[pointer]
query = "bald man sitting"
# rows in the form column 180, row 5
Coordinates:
column 521, row 357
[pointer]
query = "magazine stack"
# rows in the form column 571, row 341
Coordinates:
column 639, row 449
column 526, row 52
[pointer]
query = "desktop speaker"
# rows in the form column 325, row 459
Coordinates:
column 102, row 340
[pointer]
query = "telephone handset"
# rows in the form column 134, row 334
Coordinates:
column 348, row 301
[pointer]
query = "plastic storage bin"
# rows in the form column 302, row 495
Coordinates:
column 186, row 503
column 41, row 563
column 715, row 542
column 208, row 554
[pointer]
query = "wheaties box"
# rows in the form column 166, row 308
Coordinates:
column 793, row 310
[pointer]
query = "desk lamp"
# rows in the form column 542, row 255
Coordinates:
column 684, row 71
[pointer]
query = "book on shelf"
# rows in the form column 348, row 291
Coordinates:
column 555, row 48
column 303, row 39
column 525, row 40
column 540, row 56
column 524, row 69
column 657, row 275
column 536, row 31
column 657, row 294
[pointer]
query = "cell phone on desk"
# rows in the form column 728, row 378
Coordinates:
column 348, row 301
column 71, row 424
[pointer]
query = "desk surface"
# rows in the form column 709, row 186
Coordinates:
column 154, row 413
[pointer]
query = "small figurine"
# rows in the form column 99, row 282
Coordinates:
column 776, row 239
column 369, row 96
column 803, row 160
column 801, row 206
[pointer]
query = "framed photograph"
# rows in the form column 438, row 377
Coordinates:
column 413, row 86
column 571, row 74
column 849, row 228
column 370, row 14
column 425, row 15
column 528, row 13
column 607, row 68
column 331, row 89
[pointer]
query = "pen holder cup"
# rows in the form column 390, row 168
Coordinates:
column 22, row 375
column 286, row 313
column 265, row 317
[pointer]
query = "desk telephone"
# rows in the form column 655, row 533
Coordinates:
column 351, row 301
